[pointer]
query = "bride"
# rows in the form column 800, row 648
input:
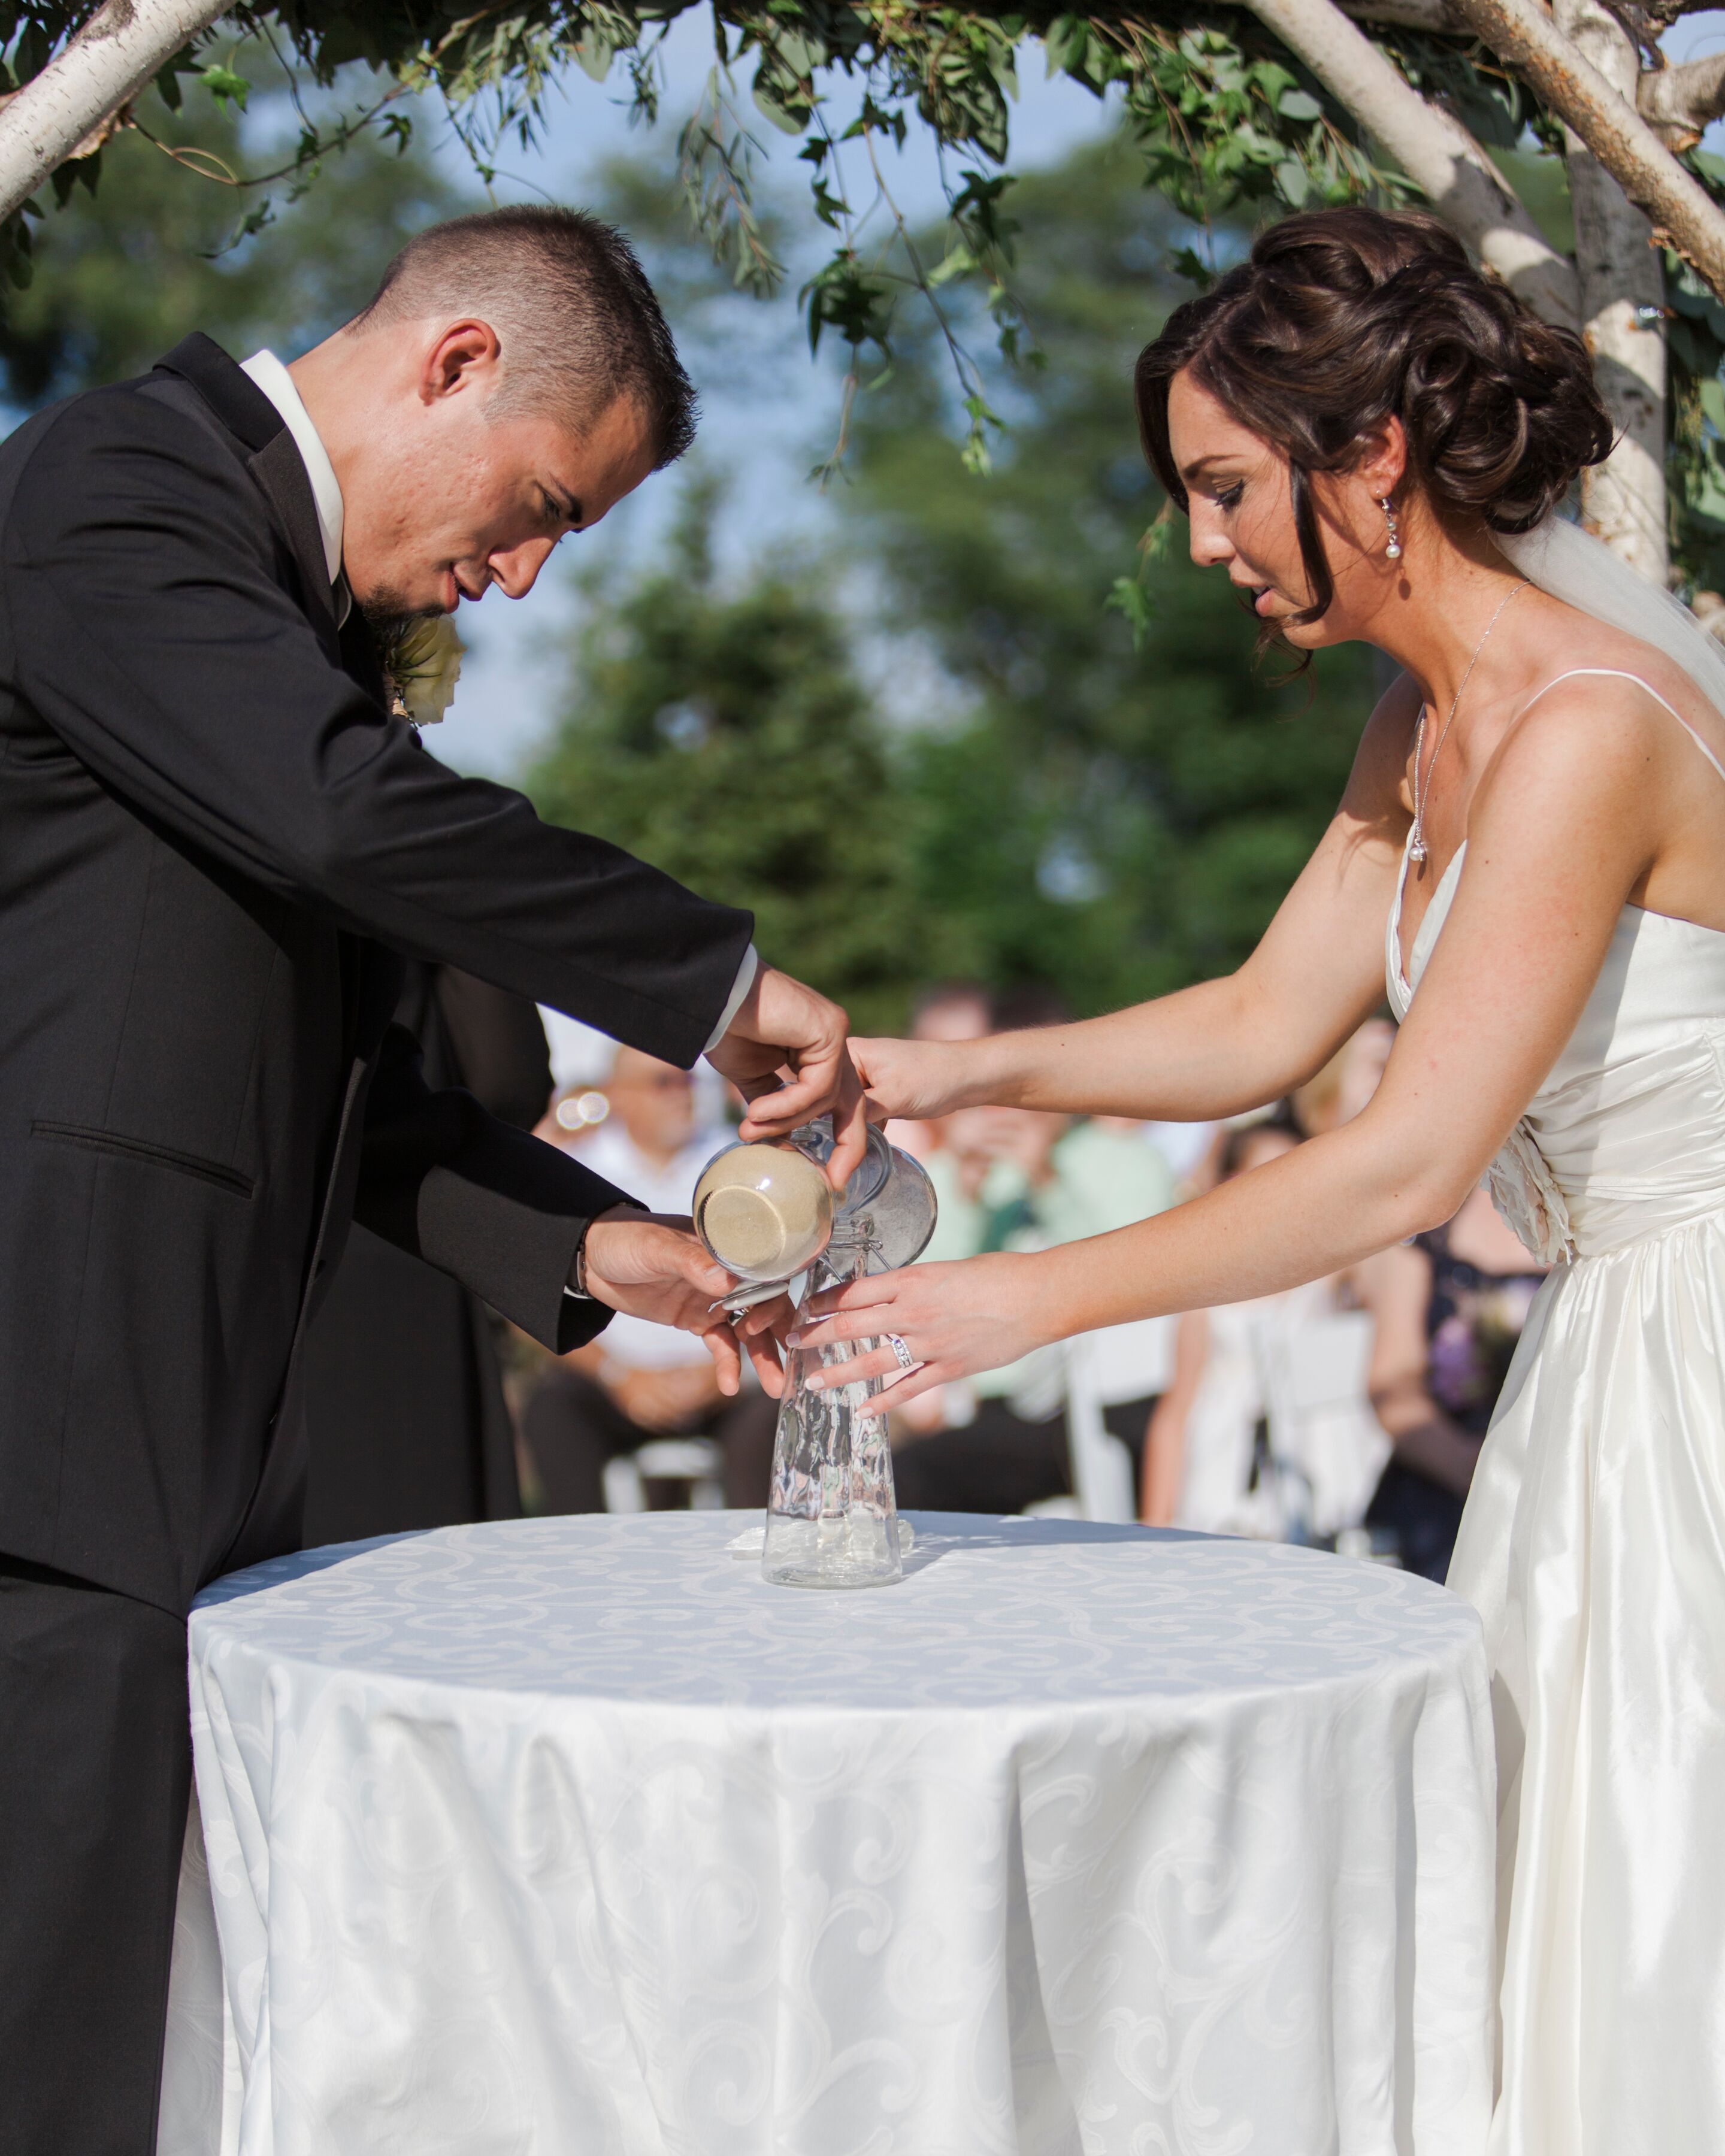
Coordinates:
column 1373, row 442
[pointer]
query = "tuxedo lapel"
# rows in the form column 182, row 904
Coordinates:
column 273, row 460
column 280, row 470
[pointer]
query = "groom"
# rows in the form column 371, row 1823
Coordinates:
column 214, row 838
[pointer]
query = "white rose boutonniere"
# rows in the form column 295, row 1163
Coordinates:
column 422, row 660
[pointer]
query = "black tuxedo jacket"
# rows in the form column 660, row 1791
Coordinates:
column 213, row 840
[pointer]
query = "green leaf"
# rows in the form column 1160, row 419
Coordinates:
column 1188, row 262
column 1126, row 596
column 224, row 85
column 1297, row 104
column 958, row 262
column 828, row 207
column 786, row 120
column 1065, row 42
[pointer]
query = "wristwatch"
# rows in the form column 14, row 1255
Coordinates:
column 576, row 1285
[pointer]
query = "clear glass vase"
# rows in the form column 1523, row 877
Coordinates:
column 831, row 1521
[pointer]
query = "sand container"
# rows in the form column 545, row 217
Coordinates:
column 763, row 1211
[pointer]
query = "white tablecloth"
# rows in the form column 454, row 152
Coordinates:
column 569, row 1837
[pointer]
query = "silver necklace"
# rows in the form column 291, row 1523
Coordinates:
column 1422, row 795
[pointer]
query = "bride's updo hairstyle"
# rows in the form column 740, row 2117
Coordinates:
column 1340, row 318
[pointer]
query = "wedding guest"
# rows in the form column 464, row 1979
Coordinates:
column 949, row 1010
column 1220, row 1458
column 642, row 1381
column 1104, row 1168
column 1209, row 1463
column 1038, row 1180
column 1010, row 1449
column 1186, row 1150
column 1450, row 1307
column 1333, row 1096
column 407, row 1425
column 1346, row 1082
column 219, row 829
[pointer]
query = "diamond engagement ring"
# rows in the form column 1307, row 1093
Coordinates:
column 906, row 1360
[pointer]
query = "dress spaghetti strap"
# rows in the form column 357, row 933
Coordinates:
column 1618, row 673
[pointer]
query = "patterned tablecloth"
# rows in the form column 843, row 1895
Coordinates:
column 573, row 1838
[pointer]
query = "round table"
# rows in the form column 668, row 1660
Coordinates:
column 573, row 1837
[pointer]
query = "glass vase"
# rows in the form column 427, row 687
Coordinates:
column 831, row 1521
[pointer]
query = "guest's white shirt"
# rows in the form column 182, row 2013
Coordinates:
column 277, row 384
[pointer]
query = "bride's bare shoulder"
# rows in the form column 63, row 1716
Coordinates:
column 1585, row 662
column 1593, row 741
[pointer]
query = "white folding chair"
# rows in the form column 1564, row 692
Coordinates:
column 696, row 1461
column 1119, row 1363
column 1324, row 1438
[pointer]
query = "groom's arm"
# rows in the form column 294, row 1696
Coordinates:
column 148, row 621
column 493, row 1206
column 504, row 1214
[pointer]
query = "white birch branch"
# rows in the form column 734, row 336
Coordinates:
column 119, row 49
column 1677, row 102
column 1623, row 499
column 1434, row 149
column 1525, row 37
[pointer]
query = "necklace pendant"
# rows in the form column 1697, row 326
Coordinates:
column 1416, row 850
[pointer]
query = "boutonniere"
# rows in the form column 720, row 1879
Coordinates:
column 423, row 662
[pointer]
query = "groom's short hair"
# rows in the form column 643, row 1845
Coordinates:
column 579, row 322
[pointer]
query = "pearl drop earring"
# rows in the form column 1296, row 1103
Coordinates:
column 1394, row 550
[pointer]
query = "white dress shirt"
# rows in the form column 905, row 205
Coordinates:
column 277, row 384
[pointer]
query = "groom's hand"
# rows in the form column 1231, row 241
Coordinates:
column 651, row 1265
column 785, row 1053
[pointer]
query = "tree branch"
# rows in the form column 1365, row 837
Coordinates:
column 1525, row 37
column 1434, row 149
column 121, row 48
column 1623, row 499
column 1437, row 17
column 1677, row 102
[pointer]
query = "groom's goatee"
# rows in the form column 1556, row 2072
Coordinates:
column 389, row 615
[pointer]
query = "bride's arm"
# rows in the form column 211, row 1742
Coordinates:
column 1568, row 824
column 1226, row 1045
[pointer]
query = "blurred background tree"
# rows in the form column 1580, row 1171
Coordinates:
column 724, row 735
column 1070, row 805
column 1146, row 802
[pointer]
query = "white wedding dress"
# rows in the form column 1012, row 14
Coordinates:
column 1593, row 1547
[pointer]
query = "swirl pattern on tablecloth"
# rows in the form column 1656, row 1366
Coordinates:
column 574, row 1836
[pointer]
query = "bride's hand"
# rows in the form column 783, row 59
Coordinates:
column 915, row 1079
column 955, row 1319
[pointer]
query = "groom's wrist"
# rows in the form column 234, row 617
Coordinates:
column 576, row 1285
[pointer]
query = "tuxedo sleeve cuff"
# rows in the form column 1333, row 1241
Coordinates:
column 740, row 987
